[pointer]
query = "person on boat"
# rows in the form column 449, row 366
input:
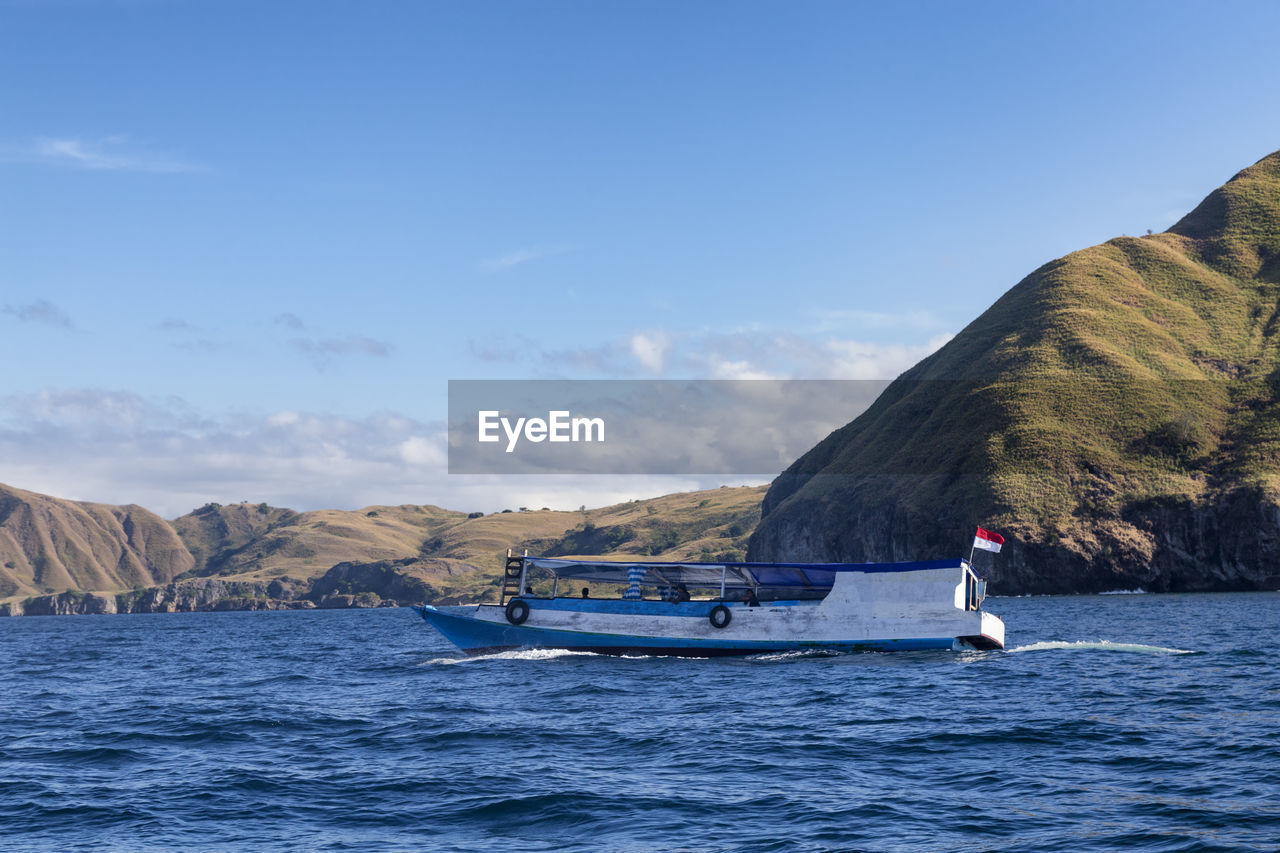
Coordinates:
column 681, row 593
column 749, row 598
column 586, row 593
column 528, row 589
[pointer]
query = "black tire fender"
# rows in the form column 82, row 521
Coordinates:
column 517, row 611
column 720, row 616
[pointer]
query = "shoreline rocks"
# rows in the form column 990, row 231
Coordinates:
column 346, row 585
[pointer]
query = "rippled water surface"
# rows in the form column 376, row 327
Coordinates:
column 1137, row 722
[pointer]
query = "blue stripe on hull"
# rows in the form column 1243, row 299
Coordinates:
column 476, row 636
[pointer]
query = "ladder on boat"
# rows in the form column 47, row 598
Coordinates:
column 511, row 574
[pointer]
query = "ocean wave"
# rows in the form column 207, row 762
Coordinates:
column 238, row 736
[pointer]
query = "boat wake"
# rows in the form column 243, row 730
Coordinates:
column 1100, row 645
column 519, row 654
column 798, row 654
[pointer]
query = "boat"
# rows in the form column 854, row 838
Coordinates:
column 650, row 608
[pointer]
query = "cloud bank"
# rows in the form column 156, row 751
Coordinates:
column 119, row 447
column 736, row 354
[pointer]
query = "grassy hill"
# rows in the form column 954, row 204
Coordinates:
column 459, row 555
column 1115, row 414
column 249, row 552
column 50, row 545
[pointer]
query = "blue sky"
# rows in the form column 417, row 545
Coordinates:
column 243, row 246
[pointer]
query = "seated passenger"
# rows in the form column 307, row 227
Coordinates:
column 681, row 594
column 749, row 598
column 586, row 593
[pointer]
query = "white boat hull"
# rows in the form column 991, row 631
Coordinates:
column 871, row 611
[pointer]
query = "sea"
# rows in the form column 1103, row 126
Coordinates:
column 1114, row 722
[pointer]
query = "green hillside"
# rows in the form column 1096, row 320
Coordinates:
column 1114, row 414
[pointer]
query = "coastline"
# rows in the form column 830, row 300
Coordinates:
column 180, row 598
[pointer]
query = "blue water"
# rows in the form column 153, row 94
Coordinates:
column 1135, row 722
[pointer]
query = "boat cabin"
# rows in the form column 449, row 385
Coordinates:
column 773, row 583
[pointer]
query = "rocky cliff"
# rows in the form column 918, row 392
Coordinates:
column 190, row 596
column 1116, row 415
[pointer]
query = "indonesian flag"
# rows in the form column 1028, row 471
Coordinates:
column 988, row 541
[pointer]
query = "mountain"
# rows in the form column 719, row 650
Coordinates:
column 64, row 556
column 460, row 554
column 257, row 541
column 214, row 532
column 50, row 545
column 1115, row 415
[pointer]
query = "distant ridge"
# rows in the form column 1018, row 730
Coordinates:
column 254, row 556
column 1114, row 414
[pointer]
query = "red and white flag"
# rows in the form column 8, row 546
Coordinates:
column 988, row 541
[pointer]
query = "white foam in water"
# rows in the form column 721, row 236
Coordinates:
column 1100, row 645
column 1138, row 591
column 797, row 654
column 522, row 654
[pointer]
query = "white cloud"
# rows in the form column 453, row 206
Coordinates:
column 419, row 450
column 859, row 360
column 725, row 369
column 521, row 256
column 109, row 153
column 116, row 446
column 650, row 350
column 742, row 354
column 119, row 447
column 92, row 412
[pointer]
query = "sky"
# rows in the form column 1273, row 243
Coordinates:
column 244, row 246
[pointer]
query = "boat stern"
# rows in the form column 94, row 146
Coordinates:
column 990, row 633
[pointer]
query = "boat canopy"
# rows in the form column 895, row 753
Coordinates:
column 816, row 576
